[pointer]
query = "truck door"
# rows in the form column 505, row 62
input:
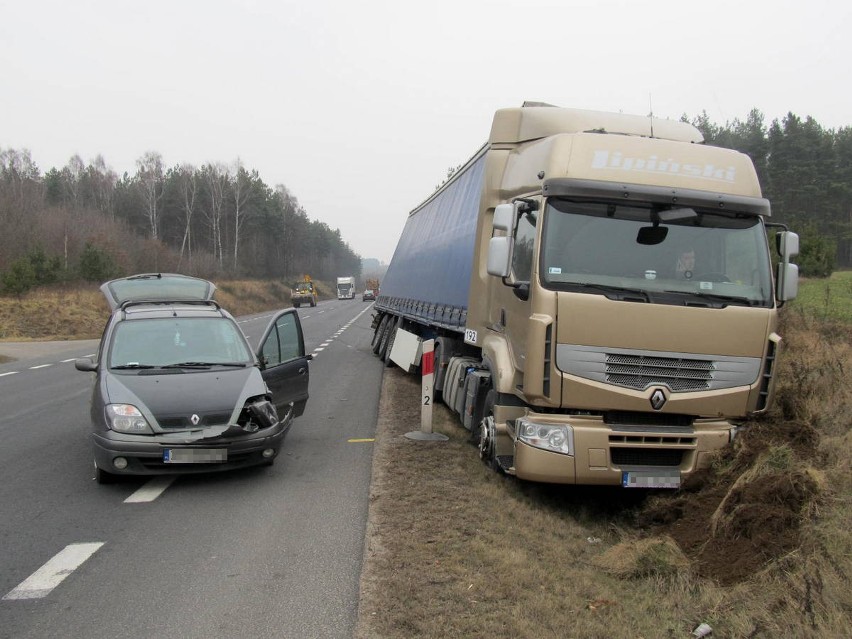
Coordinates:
column 515, row 305
column 283, row 363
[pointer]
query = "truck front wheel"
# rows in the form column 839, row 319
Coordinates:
column 488, row 432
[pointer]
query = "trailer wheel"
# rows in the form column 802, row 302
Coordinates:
column 488, row 433
column 391, row 339
column 386, row 333
column 377, row 336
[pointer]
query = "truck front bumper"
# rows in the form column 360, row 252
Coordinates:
column 603, row 453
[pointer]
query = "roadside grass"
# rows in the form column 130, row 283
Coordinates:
column 79, row 311
column 758, row 546
column 826, row 299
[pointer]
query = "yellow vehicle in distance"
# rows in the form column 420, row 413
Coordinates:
column 304, row 293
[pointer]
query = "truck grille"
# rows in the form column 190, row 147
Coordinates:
column 646, row 456
column 640, row 371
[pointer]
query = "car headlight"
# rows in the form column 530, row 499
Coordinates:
column 558, row 438
column 126, row 418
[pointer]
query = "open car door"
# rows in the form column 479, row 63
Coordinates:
column 283, row 363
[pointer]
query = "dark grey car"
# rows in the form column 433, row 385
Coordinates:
column 177, row 387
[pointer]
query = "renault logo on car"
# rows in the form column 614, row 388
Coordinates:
column 195, row 418
column 658, row 399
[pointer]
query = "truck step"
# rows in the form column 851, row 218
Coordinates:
column 506, row 463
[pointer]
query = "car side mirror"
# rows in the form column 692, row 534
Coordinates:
column 86, row 364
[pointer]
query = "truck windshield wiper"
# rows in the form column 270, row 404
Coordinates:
column 203, row 364
column 619, row 291
column 131, row 366
column 715, row 297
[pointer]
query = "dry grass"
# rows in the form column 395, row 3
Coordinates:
column 80, row 311
column 54, row 313
column 758, row 547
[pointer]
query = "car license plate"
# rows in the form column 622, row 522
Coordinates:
column 194, row 455
column 651, row 479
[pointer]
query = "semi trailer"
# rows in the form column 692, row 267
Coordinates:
column 601, row 295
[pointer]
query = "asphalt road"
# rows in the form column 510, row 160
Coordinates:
column 264, row 552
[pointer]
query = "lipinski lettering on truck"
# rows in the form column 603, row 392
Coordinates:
column 652, row 164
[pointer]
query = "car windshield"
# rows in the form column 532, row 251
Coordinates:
column 157, row 342
column 667, row 255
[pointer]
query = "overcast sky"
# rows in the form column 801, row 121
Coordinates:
column 359, row 107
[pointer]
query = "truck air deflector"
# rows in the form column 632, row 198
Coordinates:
column 601, row 190
column 640, row 369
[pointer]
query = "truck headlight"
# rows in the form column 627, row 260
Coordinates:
column 126, row 418
column 558, row 438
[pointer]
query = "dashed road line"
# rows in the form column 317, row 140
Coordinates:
column 328, row 342
column 45, row 579
column 32, row 368
column 9, row 373
column 151, row 490
column 361, row 440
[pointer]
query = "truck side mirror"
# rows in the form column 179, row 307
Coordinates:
column 787, row 282
column 504, row 217
column 499, row 255
column 788, row 244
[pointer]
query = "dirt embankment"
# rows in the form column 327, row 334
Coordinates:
column 734, row 521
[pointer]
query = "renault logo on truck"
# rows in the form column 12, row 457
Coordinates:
column 658, row 399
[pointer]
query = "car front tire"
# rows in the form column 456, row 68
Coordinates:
column 103, row 477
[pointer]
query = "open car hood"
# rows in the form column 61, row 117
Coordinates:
column 157, row 287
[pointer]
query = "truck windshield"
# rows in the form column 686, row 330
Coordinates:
column 692, row 254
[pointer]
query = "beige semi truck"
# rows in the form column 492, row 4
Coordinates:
column 601, row 294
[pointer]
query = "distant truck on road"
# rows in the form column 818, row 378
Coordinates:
column 346, row 288
column 600, row 292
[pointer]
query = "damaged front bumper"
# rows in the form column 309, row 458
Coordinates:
column 211, row 449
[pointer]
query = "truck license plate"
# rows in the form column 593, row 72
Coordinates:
column 651, row 479
column 194, row 455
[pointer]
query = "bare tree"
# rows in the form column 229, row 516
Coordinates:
column 102, row 182
column 72, row 182
column 216, row 179
column 241, row 190
column 150, row 175
column 188, row 182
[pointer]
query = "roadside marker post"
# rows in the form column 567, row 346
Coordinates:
column 427, row 370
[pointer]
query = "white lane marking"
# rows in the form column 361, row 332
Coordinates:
column 65, row 361
column 319, row 350
column 9, row 373
column 51, row 574
column 151, row 490
column 32, row 368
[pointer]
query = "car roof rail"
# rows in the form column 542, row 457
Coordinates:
column 191, row 302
